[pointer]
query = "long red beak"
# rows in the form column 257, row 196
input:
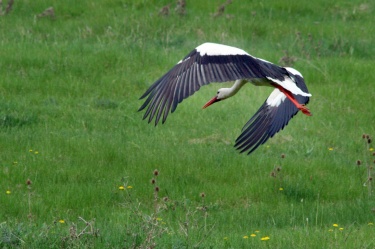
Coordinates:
column 213, row 100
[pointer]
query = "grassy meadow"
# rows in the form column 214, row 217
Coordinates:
column 77, row 160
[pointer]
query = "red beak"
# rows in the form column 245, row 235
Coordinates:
column 213, row 100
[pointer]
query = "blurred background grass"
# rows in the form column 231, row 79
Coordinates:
column 68, row 107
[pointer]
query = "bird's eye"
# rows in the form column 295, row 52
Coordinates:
column 217, row 92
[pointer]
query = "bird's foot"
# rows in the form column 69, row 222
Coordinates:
column 305, row 110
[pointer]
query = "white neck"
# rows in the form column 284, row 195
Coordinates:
column 224, row 93
column 236, row 87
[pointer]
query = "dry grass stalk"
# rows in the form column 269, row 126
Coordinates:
column 164, row 11
column 7, row 9
column 181, row 7
column 287, row 60
column 49, row 12
column 221, row 9
column 9, row 6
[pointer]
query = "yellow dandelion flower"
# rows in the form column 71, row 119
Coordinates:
column 265, row 238
column 330, row 148
column 245, row 237
column 61, row 221
column 30, row 150
column 371, row 149
column 335, row 225
column 253, row 235
column 281, row 189
column 36, row 152
column 8, row 192
column 341, row 228
column 370, row 224
column 129, row 187
column 121, row 188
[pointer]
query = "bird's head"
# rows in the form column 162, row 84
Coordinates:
column 221, row 94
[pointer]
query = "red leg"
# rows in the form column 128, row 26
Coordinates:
column 291, row 97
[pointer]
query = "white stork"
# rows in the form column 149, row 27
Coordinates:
column 212, row 62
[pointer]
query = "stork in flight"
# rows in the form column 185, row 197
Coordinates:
column 212, row 62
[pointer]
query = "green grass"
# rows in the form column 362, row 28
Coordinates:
column 69, row 90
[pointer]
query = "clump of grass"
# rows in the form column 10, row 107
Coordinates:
column 276, row 174
column 11, row 120
column 304, row 47
column 221, row 9
column 105, row 104
column 287, row 60
column 309, row 47
column 10, row 237
column 150, row 230
column 144, row 229
column 164, row 11
column 61, row 235
column 194, row 225
column 367, row 163
column 29, row 194
column 156, row 191
column 124, row 187
column 8, row 8
column 181, row 7
column 49, row 12
column 80, row 234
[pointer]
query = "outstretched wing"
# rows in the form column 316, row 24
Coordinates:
column 271, row 117
column 207, row 63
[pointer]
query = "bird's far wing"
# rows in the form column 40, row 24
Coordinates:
column 271, row 117
column 207, row 63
